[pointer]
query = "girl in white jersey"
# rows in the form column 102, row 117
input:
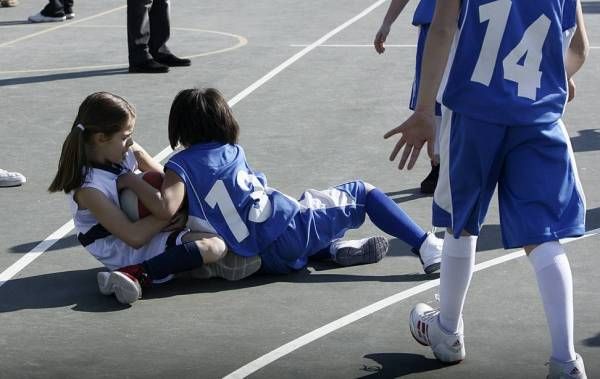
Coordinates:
column 97, row 150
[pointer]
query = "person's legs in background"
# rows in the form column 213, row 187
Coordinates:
column 54, row 11
column 160, row 31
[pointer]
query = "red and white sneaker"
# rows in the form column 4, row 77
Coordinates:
column 125, row 283
column 426, row 329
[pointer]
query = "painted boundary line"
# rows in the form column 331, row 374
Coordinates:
column 299, row 342
column 65, row 25
column 40, row 248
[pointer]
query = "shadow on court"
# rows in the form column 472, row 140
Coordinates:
column 406, row 195
column 586, row 140
column 62, row 76
column 592, row 341
column 63, row 243
column 79, row 289
column 15, row 22
column 394, row 365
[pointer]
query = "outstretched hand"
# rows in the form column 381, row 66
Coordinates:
column 415, row 131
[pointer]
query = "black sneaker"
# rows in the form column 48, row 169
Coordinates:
column 149, row 67
column 172, row 61
column 430, row 182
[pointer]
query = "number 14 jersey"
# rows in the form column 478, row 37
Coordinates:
column 507, row 64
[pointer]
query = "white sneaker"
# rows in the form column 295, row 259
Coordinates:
column 125, row 289
column 39, row 17
column 430, row 253
column 11, row 179
column 230, row 267
column 359, row 252
column 566, row 370
column 425, row 328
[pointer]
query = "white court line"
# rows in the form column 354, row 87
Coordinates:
column 299, row 342
column 63, row 25
column 371, row 45
column 30, row 256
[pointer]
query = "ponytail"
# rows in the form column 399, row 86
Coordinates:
column 101, row 112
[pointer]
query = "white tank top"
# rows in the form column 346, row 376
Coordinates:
column 108, row 249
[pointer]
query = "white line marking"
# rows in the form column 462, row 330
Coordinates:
column 343, row 45
column 41, row 247
column 299, row 342
column 64, row 24
column 371, row 45
column 60, row 233
column 241, row 41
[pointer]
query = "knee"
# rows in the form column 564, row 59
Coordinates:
column 213, row 249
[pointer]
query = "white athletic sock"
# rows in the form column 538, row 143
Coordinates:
column 556, row 289
column 458, row 260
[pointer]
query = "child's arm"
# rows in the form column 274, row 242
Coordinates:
column 144, row 160
column 395, row 8
column 419, row 127
column 135, row 234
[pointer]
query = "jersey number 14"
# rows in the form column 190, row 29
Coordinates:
column 528, row 75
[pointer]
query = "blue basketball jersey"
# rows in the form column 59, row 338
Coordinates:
column 225, row 193
column 424, row 13
column 507, row 65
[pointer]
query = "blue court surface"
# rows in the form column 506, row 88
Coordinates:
column 313, row 100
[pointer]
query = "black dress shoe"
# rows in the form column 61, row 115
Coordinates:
column 149, row 67
column 172, row 61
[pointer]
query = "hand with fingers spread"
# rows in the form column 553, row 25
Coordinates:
column 415, row 131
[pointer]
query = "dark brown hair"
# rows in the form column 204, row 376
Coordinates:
column 100, row 112
column 201, row 115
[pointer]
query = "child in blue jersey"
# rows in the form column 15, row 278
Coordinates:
column 506, row 82
column 227, row 197
column 97, row 153
column 421, row 18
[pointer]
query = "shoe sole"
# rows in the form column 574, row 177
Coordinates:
column 372, row 252
column 103, row 283
column 126, row 290
column 432, row 268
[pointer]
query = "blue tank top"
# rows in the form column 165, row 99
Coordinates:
column 507, row 65
column 225, row 192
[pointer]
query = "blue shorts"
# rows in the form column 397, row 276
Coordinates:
column 539, row 193
column 324, row 217
column 414, row 93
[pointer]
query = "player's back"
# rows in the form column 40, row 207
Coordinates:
column 508, row 60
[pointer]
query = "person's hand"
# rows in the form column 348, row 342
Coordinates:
column 380, row 37
column 124, row 180
column 571, row 90
column 177, row 222
column 416, row 130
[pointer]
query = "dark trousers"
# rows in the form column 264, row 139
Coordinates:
column 57, row 8
column 148, row 29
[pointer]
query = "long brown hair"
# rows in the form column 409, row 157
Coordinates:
column 100, row 112
column 201, row 115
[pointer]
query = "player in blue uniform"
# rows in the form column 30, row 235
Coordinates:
column 510, row 66
column 226, row 196
column 421, row 18
column 97, row 158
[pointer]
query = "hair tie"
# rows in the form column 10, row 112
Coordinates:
column 80, row 126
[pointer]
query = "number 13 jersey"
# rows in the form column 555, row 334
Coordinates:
column 226, row 197
column 507, row 62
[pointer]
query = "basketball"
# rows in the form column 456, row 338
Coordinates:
column 129, row 202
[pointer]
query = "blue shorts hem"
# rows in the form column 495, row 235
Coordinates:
column 576, row 231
